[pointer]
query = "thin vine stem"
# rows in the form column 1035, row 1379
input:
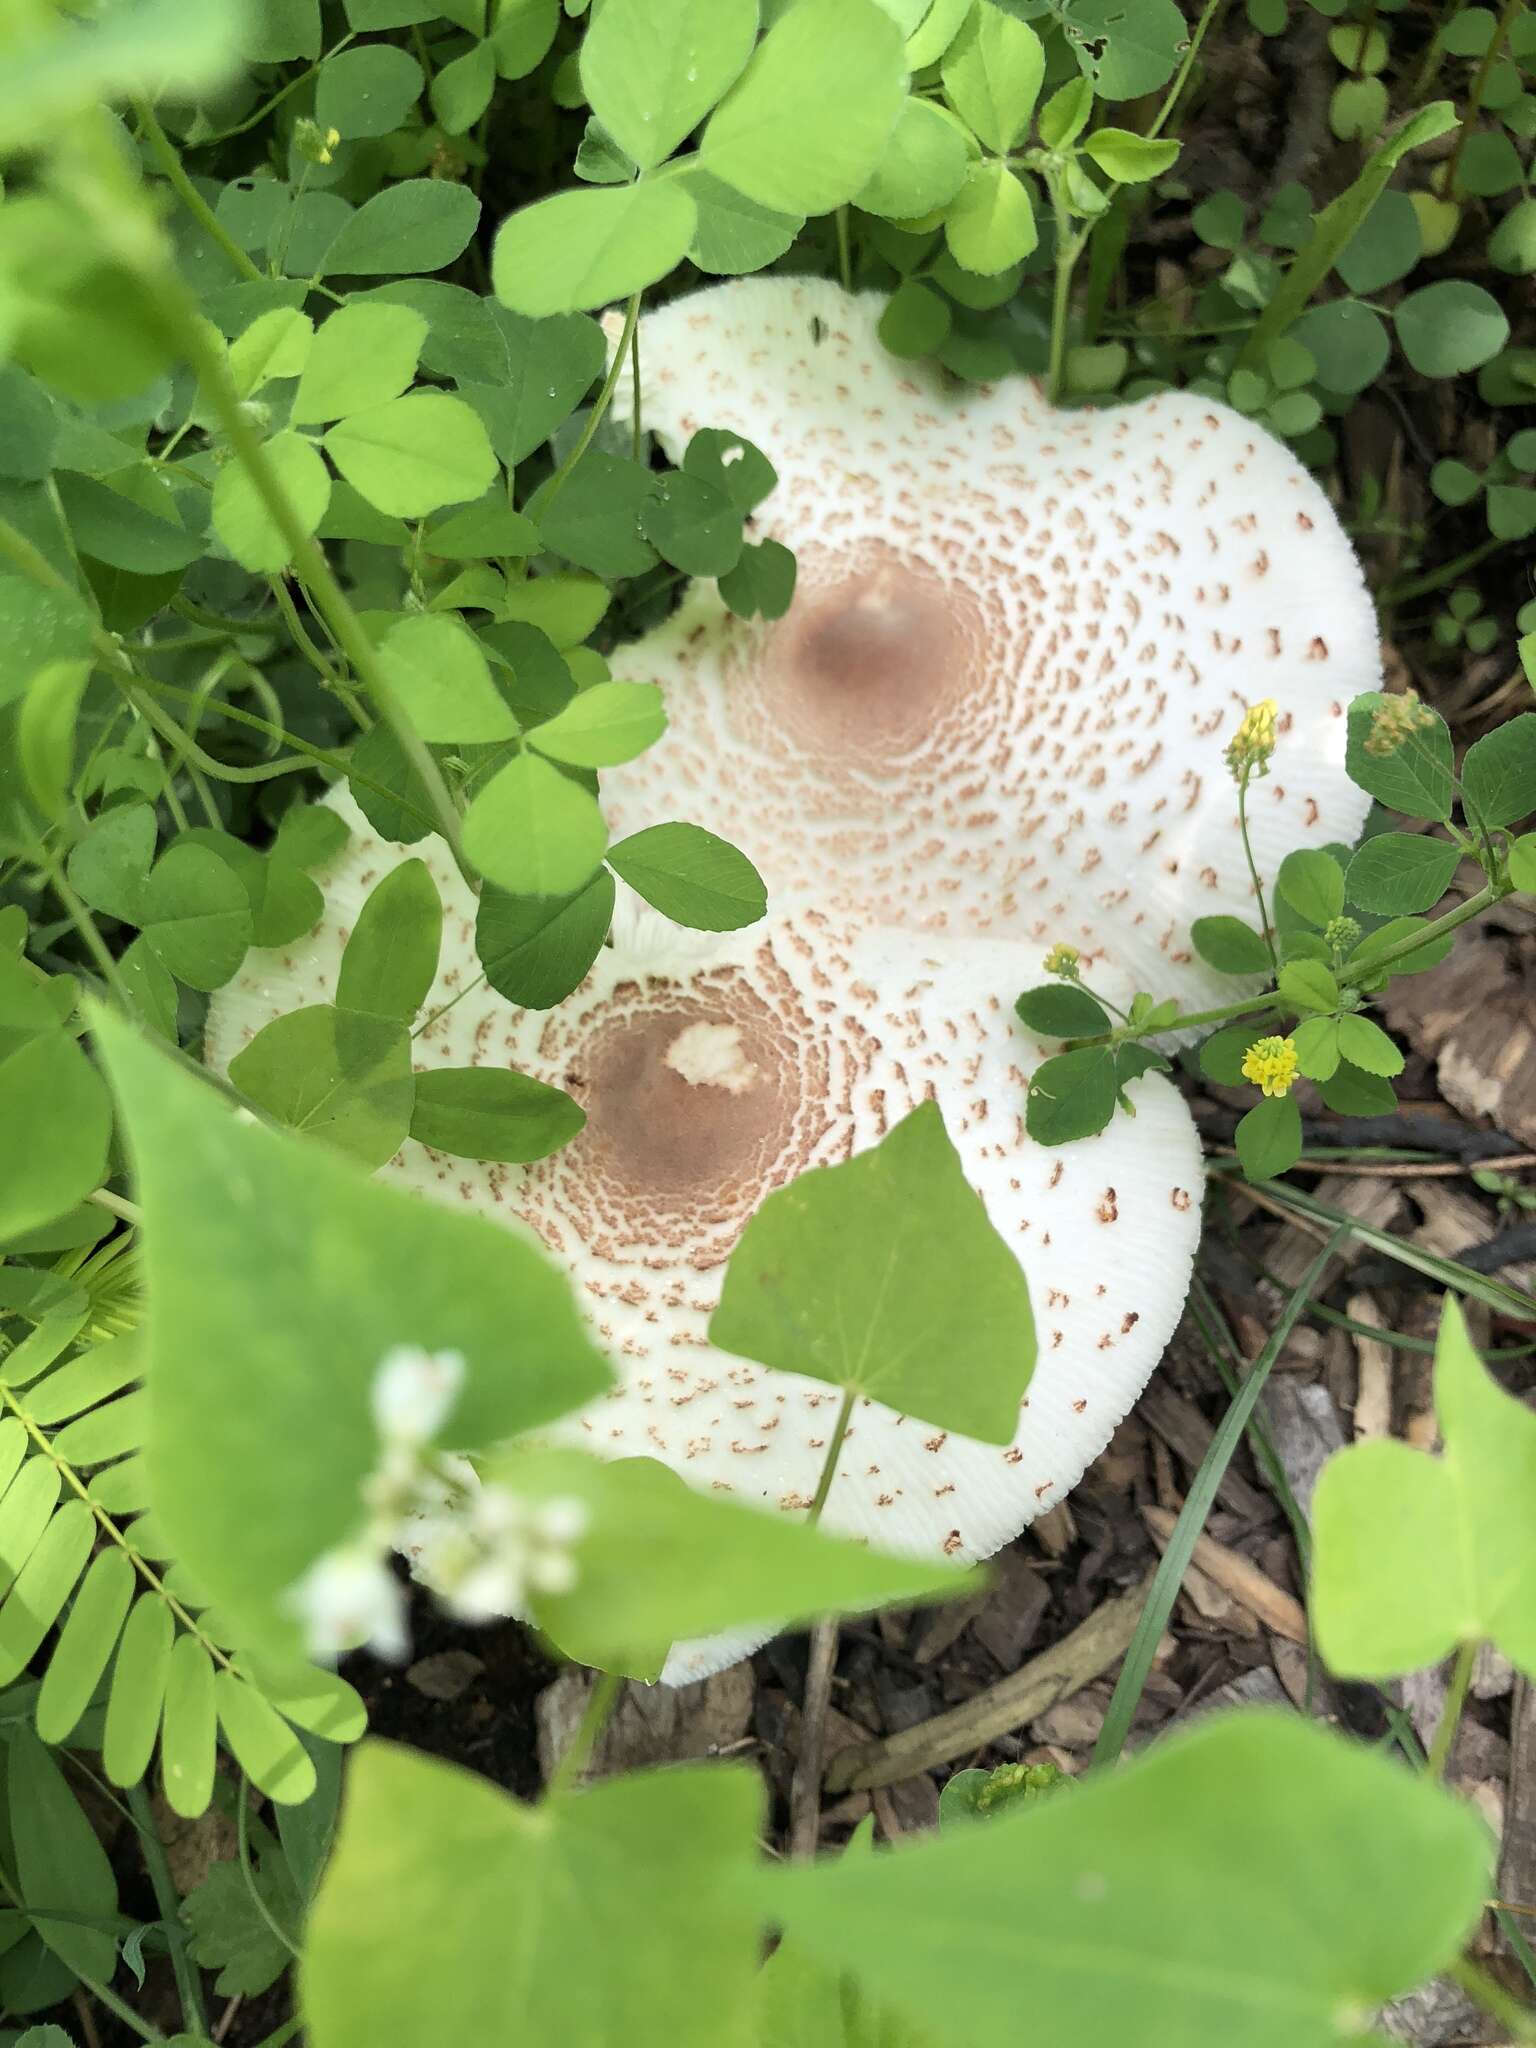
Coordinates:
column 600, row 404
column 188, row 1988
column 1253, row 871
column 1450, row 1720
column 169, row 159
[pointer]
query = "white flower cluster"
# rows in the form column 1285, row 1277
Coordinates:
column 481, row 1549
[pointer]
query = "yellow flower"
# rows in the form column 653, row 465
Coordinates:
column 1271, row 1062
column 1063, row 960
column 1254, row 741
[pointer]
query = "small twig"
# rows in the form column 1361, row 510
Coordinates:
column 1238, row 1576
column 805, row 1788
column 1086, row 1654
column 86, row 2018
column 227, row 2017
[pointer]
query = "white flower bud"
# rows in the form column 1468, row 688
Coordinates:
column 413, row 1391
column 349, row 1598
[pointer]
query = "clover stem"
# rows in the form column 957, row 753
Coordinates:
column 1068, row 248
column 86, row 926
column 834, row 1449
column 1181, row 77
column 1253, row 870
column 169, row 159
column 567, row 1773
column 185, row 333
column 1450, row 1719
column 188, row 1989
column 600, row 405
column 844, row 250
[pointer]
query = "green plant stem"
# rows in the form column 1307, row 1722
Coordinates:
column 1253, row 872
column 844, row 250
column 1450, row 1720
column 1436, row 579
column 86, row 926
column 1480, row 79
column 567, row 1773
column 189, row 1990
column 185, row 332
column 120, row 2008
column 1436, row 929
column 1069, row 247
column 129, row 1212
column 270, row 106
column 1181, row 77
column 248, row 1869
column 284, row 2034
column 600, row 405
column 1197, row 1505
column 169, row 159
column 1517, row 2019
column 834, row 1451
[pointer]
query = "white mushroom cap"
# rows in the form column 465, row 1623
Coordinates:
column 715, row 1068
column 1020, row 642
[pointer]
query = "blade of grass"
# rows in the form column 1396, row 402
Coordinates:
column 1197, row 1505
column 1450, row 1273
column 1222, row 1350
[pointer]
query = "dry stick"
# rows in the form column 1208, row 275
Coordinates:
column 1055, row 1675
column 1239, row 1576
column 805, row 1786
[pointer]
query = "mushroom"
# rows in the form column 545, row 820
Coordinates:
column 1019, row 640
column 994, row 718
column 713, row 1069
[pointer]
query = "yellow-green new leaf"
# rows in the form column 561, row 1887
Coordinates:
column 992, row 74
column 585, row 249
column 240, row 515
column 1415, row 1554
column 652, row 73
column 991, row 224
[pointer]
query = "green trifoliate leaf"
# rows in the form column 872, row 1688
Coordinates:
column 389, row 962
column 1400, row 872
column 916, row 320
column 437, row 669
column 490, row 529
column 992, row 74
column 1367, row 1046
column 1130, row 159
column 807, row 123
column 414, row 454
column 536, row 949
column 692, row 524
column 462, row 90
column 240, row 515
column 655, row 1858
column 1072, row 1096
column 1499, row 772
column 367, row 91
column 1268, row 1138
column 1065, row 115
column 1393, row 1871
column 108, row 864
column 251, row 1493
column 594, row 518
column 1312, row 883
column 1451, row 327
column 491, row 1113
column 1399, row 752
column 885, row 1275
column 276, row 344
column 196, row 916
column 584, row 249
column 1229, row 945
column 365, row 354
column 733, row 465
column 924, row 164
column 602, row 726
column 1393, row 933
column 1415, row 1554
column 338, row 1075
column 762, row 584
column 533, row 831
column 1127, row 47
column 1316, row 1040
column 1057, row 1010
column 421, row 224
column 651, row 76
column 1308, row 985
column 691, row 876
column 990, row 225
column 735, row 234
column 1352, row 1092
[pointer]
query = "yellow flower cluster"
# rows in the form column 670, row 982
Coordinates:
column 1396, row 719
column 1063, row 960
column 1254, row 741
column 1271, row 1062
